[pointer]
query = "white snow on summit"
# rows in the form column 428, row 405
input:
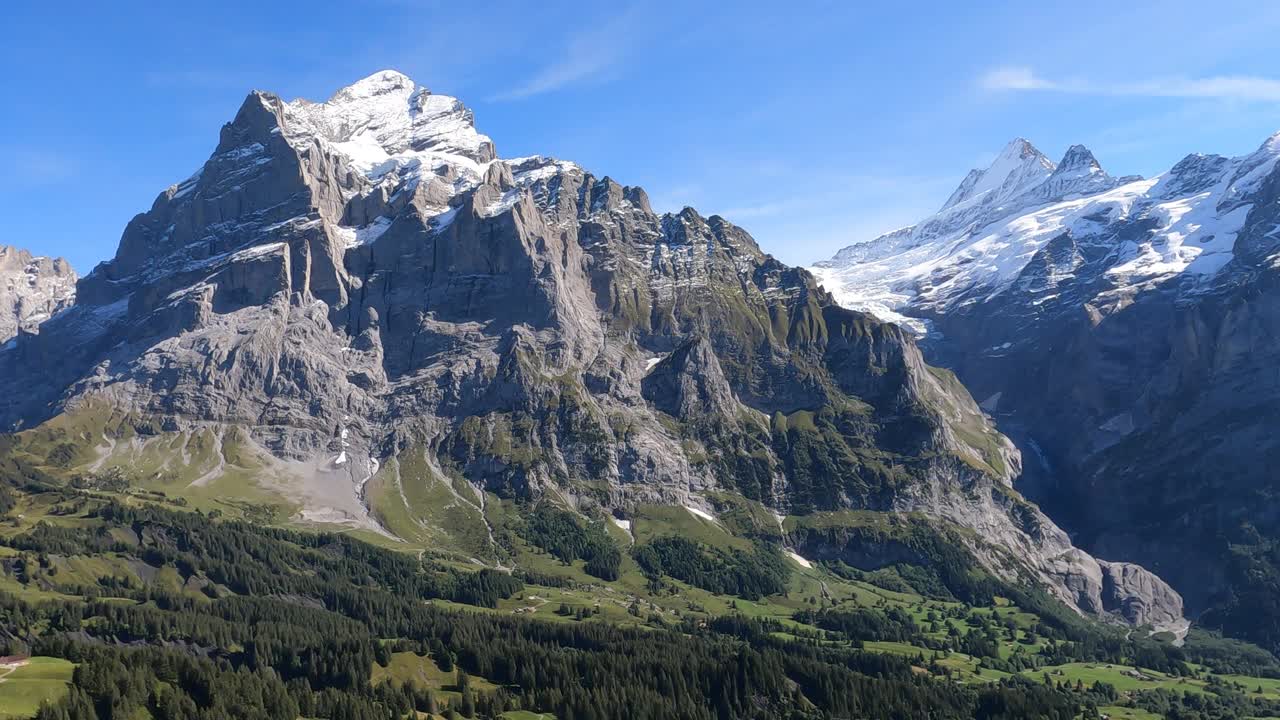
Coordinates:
column 387, row 122
column 977, row 245
column 396, row 134
column 1017, row 169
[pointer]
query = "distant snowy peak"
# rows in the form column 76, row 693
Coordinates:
column 1230, row 179
column 1021, row 177
column 1077, row 175
column 1079, row 160
column 1018, row 168
column 1078, row 169
column 1251, row 170
column 996, row 230
column 1193, row 174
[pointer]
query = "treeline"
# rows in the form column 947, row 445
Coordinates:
column 984, row 633
column 292, row 624
column 565, row 536
column 1229, row 657
column 115, row 682
column 251, row 559
column 1225, row 699
column 579, row 671
column 1048, row 641
column 935, row 559
column 893, row 624
column 749, row 575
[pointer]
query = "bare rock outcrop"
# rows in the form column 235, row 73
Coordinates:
column 362, row 289
column 32, row 290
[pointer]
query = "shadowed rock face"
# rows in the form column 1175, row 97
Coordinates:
column 689, row 384
column 1158, row 443
column 1131, row 351
column 362, row 280
column 32, row 290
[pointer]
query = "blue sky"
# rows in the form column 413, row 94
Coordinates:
column 812, row 124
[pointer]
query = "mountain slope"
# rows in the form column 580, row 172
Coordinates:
column 32, row 289
column 355, row 314
column 1125, row 335
column 124, row 604
column 1137, row 233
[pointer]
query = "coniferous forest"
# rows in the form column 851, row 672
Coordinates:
column 276, row 623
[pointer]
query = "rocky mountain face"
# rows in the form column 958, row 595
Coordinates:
column 1124, row 332
column 358, row 310
column 32, row 290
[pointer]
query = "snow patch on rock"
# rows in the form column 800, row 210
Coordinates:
column 701, row 513
column 798, row 559
column 975, row 248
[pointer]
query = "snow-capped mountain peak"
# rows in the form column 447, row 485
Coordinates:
column 1078, row 160
column 382, row 82
column 1078, row 174
column 1254, row 167
column 386, row 122
column 1018, row 168
column 996, row 230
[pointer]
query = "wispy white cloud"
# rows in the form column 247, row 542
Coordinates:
column 1014, row 78
column 1216, row 87
column 36, row 166
column 588, row 55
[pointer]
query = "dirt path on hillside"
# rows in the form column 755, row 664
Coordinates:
column 6, row 670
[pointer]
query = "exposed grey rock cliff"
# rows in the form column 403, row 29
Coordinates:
column 359, row 297
column 689, row 383
column 1124, row 332
column 32, row 290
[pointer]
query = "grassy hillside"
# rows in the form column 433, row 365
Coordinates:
column 135, row 583
column 27, row 682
